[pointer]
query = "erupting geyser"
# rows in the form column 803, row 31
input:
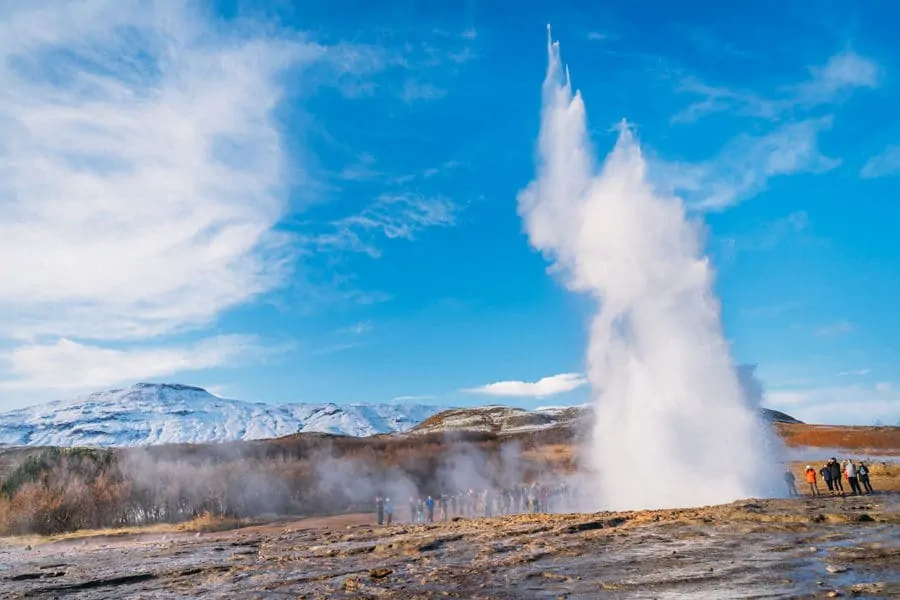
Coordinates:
column 673, row 427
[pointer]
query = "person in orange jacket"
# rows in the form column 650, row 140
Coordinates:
column 811, row 480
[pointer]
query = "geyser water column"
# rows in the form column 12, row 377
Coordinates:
column 673, row 427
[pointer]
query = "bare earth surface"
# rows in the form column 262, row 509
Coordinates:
column 801, row 548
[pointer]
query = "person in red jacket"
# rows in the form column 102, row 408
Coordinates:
column 811, row 480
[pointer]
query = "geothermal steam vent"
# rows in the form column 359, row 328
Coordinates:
column 673, row 427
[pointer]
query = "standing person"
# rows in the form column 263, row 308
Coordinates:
column 429, row 504
column 790, row 481
column 379, row 509
column 863, row 472
column 389, row 510
column 412, row 509
column 835, row 468
column 825, row 472
column 420, row 511
column 811, row 480
column 850, row 472
column 443, row 503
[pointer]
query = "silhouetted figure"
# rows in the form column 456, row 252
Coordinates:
column 791, row 483
column 412, row 509
column 429, row 505
column 825, row 472
column 388, row 511
column 863, row 472
column 836, row 476
column 379, row 509
column 420, row 511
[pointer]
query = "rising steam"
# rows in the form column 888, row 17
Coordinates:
column 673, row 427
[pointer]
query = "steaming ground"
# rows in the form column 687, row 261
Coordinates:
column 804, row 548
column 669, row 407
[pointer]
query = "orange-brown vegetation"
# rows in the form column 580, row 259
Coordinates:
column 60, row 490
column 211, row 486
column 860, row 439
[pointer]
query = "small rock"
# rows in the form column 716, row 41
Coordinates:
column 859, row 589
column 835, row 569
column 379, row 573
column 834, row 594
column 28, row 547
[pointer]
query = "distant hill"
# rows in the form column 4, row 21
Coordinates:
column 148, row 413
column 504, row 419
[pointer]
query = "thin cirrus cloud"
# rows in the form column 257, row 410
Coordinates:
column 141, row 165
column 415, row 90
column 143, row 170
column 390, row 216
column 69, row 365
column 542, row 388
column 838, row 328
column 882, row 164
column 828, row 83
column 746, row 164
column 791, row 145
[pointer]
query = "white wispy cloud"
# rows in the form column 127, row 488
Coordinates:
column 597, row 36
column 883, row 164
column 412, row 398
column 855, row 373
column 417, row 90
column 840, row 405
column 358, row 328
column 391, row 216
column 840, row 327
column 745, row 166
column 828, row 83
column 72, row 366
column 547, row 386
column 141, row 167
column 142, row 180
column 843, row 72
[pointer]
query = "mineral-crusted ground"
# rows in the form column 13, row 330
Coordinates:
column 801, row 548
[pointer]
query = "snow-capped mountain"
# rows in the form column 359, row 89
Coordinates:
column 170, row 413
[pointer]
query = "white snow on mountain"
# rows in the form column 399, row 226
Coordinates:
column 171, row 413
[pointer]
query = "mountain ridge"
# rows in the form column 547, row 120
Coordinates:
column 172, row 413
column 164, row 413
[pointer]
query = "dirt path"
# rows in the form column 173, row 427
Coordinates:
column 802, row 548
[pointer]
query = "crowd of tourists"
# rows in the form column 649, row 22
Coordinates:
column 533, row 498
column 833, row 473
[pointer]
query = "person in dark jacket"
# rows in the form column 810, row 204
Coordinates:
column 429, row 507
column 379, row 509
column 825, row 472
column 863, row 472
column 836, row 475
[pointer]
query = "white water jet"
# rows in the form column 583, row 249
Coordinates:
column 673, row 427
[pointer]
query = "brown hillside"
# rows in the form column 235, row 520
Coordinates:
column 870, row 439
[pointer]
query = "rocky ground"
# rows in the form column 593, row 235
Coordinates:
column 801, row 548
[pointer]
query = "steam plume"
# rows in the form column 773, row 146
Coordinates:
column 673, row 427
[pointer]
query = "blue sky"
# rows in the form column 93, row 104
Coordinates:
column 289, row 202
